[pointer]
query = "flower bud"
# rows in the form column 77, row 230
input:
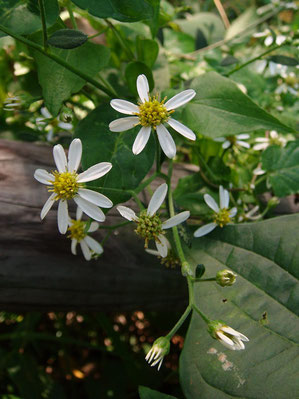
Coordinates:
column 226, row 335
column 274, row 201
column 159, row 349
column 225, row 278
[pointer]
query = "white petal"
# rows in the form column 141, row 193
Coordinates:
column 79, row 213
column 48, row 205
column 211, row 202
column 141, row 139
column 93, row 227
column 238, row 344
column 204, row 230
column 261, row 146
column 123, row 124
column 94, row 245
column 175, row 220
column 157, row 199
column 166, row 141
column 268, row 41
column 90, row 209
column 235, row 333
column 226, row 144
column 159, row 365
column 233, row 212
column 224, row 198
column 224, row 338
column 65, row 125
column 162, row 246
column 127, row 213
column 45, row 113
column 243, row 144
column 85, row 250
column 94, row 172
column 280, row 39
column 43, row 176
column 152, row 252
column 142, row 88
column 75, row 153
column 59, row 158
column 124, row 107
column 149, row 354
column 95, row 198
column 182, row 129
column 180, row 99
column 220, row 139
column 74, row 246
column 244, row 136
column 273, row 134
column 62, row 216
column 262, row 139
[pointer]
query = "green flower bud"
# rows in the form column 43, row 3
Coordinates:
column 225, row 278
column 159, row 349
column 274, row 201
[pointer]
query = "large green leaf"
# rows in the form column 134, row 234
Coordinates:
column 147, row 393
column 221, row 109
column 100, row 144
column 126, row 11
column 57, row 82
column 262, row 304
column 25, row 19
column 282, row 165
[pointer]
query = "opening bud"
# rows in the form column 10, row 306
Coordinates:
column 157, row 352
column 225, row 278
column 228, row 337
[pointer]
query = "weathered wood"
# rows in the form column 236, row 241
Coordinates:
column 37, row 269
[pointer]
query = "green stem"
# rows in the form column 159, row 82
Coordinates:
column 70, row 11
column 254, row 59
column 179, row 323
column 136, row 198
column 115, row 226
column 146, row 182
column 186, row 269
column 44, row 24
column 124, row 45
column 98, row 33
column 202, row 160
column 201, row 314
column 200, row 280
column 57, row 59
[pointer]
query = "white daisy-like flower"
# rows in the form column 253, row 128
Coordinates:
column 65, row 184
column 236, row 141
column 228, row 337
column 149, row 224
column 157, row 352
column 269, row 39
column 289, row 83
column 79, row 235
column 273, row 139
column 48, row 123
column 152, row 113
column 222, row 214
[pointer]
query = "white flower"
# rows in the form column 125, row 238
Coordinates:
column 228, row 337
column 273, row 139
column 152, row 113
column 230, row 141
column 12, row 103
column 222, row 215
column 269, row 39
column 149, row 225
column 288, row 83
column 65, row 184
column 49, row 124
column 159, row 349
column 78, row 234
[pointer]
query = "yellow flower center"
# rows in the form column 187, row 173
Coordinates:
column 65, row 185
column 149, row 227
column 153, row 112
column 77, row 230
column 222, row 218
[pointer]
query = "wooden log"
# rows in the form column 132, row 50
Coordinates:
column 37, row 269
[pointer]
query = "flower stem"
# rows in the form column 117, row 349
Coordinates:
column 254, row 59
column 44, row 24
column 123, row 43
column 201, row 314
column 202, row 280
column 179, row 323
column 72, row 18
column 59, row 61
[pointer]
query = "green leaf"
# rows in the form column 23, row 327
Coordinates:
column 282, row 165
column 67, row 38
column 25, row 19
column 102, row 145
column 283, row 59
column 262, row 304
column 57, row 82
column 147, row 51
column 240, row 23
column 178, row 42
column 154, row 21
column 229, row 60
column 220, row 109
column 133, row 70
column 147, row 393
column 125, row 11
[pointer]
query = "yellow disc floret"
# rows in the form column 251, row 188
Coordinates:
column 65, row 185
column 153, row 112
column 77, row 230
column 149, row 227
column 222, row 218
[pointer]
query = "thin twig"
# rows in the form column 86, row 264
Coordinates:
column 222, row 13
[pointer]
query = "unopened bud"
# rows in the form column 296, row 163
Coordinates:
column 274, row 201
column 66, row 115
column 225, row 278
column 159, row 349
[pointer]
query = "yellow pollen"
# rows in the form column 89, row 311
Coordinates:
column 153, row 112
column 149, row 227
column 77, row 230
column 222, row 218
column 65, row 185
